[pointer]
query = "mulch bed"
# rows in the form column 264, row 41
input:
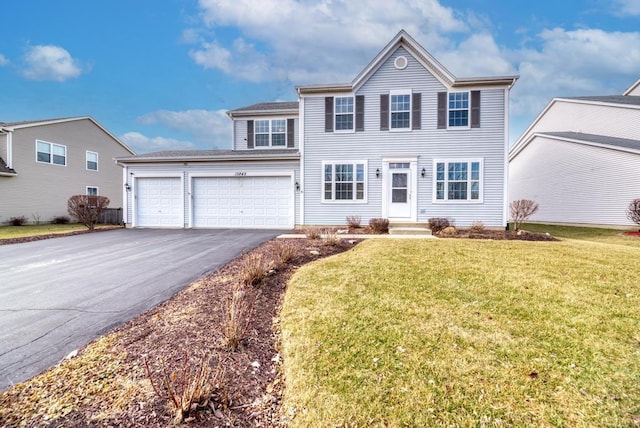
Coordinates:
column 500, row 235
column 187, row 328
column 636, row 234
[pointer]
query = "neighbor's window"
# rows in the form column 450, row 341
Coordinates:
column 51, row 153
column 343, row 113
column 458, row 180
column 400, row 111
column 92, row 161
column 270, row 132
column 344, row 181
column 92, row 191
column 459, row 109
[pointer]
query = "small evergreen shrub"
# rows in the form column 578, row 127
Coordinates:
column 379, row 226
column 436, row 224
column 18, row 221
column 61, row 219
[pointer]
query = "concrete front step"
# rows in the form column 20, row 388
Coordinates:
column 409, row 229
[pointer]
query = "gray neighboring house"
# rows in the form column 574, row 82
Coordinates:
column 405, row 140
column 580, row 160
column 44, row 162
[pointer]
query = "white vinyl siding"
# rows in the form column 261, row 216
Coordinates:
column 427, row 144
column 575, row 183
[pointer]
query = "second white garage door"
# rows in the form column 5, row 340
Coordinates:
column 159, row 202
column 242, row 202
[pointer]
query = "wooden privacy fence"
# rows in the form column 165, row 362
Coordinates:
column 111, row 216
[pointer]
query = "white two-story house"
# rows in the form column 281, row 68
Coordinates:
column 406, row 140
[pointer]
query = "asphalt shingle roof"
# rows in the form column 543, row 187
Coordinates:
column 598, row 139
column 272, row 106
column 611, row 99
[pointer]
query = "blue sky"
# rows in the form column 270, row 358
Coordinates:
column 161, row 74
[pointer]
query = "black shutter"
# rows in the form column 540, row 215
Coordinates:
column 384, row 112
column 442, row 110
column 416, row 111
column 290, row 135
column 475, row 109
column 328, row 114
column 359, row 113
column 250, row 134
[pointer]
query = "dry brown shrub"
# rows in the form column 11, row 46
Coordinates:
column 330, row 237
column 354, row 221
column 477, row 227
column 285, row 251
column 237, row 317
column 253, row 270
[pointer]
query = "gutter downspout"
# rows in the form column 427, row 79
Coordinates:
column 9, row 159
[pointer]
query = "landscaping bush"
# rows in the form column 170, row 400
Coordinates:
column 313, row 232
column 521, row 210
column 436, row 224
column 237, row 317
column 61, row 219
column 18, row 221
column 379, row 226
column 285, row 251
column 253, row 271
column 448, row 231
column 633, row 212
column 353, row 221
column 330, row 237
column 87, row 208
column 477, row 227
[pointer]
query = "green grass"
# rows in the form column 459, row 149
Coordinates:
column 465, row 333
column 42, row 229
column 610, row 236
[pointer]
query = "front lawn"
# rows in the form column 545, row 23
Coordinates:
column 465, row 333
column 10, row 232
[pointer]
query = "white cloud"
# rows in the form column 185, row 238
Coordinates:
column 627, row 7
column 3, row 60
column 479, row 55
column 48, row 62
column 142, row 144
column 209, row 128
column 312, row 41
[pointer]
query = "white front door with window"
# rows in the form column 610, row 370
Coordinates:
column 400, row 190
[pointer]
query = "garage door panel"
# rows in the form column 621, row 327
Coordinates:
column 159, row 202
column 247, row 202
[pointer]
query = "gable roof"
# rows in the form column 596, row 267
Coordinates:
column 604, row 141
column 422, row 55
column 5, row 170
column 608, row 99
column 265, row 109
column 632, row 88
column 12, row 126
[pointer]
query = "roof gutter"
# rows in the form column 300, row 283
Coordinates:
column 126, row 161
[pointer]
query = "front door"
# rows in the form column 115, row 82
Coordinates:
column 399, row 190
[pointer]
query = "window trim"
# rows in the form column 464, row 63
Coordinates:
column 353, row 115
column 51, row 146
column 446, row 199
column 365, row 182
column 409, row 93
column 87, row 161
column 468, row 109
column 86, row 191
column 270, row 133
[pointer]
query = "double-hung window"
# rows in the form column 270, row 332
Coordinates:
column 344, row 181
column 92, row 161
column 51, row 153
column 458, row 109
column 400, row 110
column 92, row 191
column 343, row 113
column 270, row 132
column 458, row 180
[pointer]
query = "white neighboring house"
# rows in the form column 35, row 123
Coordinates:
column 405, row 140
column 580, row 160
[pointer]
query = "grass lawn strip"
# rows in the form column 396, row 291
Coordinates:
column 15, row 234
column 465, row 333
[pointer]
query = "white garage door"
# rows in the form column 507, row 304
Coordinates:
column 159, row 202
column 242, row 202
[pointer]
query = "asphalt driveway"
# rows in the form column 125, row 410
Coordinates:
column 58, row 294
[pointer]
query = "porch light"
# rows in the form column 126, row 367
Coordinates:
column 377, row 172
column 423, row 173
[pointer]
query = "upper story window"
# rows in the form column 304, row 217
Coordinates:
column 459, row 109
column 344, row 113
column 458, row 180
column 51, row 153
column 344, row 181
column 400, row 111
column 92, row 161
column 270, row 132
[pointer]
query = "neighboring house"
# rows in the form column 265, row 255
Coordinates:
column 43, row 163
column 405, row 140
column 580, row 160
